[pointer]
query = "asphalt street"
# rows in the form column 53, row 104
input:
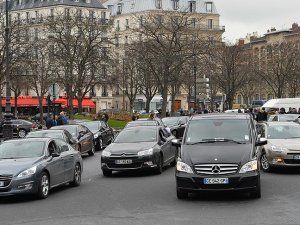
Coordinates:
column 147, row 199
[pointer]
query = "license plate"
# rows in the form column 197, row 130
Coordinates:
column 123, row 161
column 297, row 157
column 216, row 181
column 1, row 183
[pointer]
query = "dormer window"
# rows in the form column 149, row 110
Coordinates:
column 158, row 4
column 175, row 4
column 208, row 6
column 192, row 6
column 119, row 9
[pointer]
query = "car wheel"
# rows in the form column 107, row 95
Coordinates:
column 22, row 133
column 257, row 192
column 181, row 194
column 107, row 173
column 77, row 176
column 92, row 151
column 44, row 186
column 264, row 164
column 159, row 166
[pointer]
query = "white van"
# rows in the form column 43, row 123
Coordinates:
column 282, row 103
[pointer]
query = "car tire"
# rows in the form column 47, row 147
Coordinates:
column 159, row 167
column 77, row 176
column 107, row 173
column 181, row 194
column 44, row 186
column 92, row 151
column 264, row 164
column 22, row 133
column 257, row 192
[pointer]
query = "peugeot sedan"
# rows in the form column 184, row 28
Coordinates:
column 283, row 148
column 35, row 165
column 144, row 147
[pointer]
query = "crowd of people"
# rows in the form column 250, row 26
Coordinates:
column 60, row 119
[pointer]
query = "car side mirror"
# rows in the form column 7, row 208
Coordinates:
column 261, row 142
column 80, row 134
column 176, row 142
column 55, row 154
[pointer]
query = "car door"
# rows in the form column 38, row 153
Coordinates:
column 55, row 165
column 165, row 145
column 87, row 138
column 108, row 132
column 68, row 159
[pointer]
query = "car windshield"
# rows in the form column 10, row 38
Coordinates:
column 72, row 130
column 283, row 132
column 288, row 117
column 218, row 130
column 58, row 135
column 137, row 134
column 171, row 121
column 141, row 123
column 21, row 149
column 92, row 125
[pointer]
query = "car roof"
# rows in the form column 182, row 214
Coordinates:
column 284, row 123
column 48, row 131
column 60, row 127
column 221, row 116
column 45, row 139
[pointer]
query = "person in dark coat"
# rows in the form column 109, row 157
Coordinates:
column 60, row 119
column 49, row 121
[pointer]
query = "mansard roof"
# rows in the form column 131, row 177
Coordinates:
column 15, row 5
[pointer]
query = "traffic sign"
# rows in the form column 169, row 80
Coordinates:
column 53, row 90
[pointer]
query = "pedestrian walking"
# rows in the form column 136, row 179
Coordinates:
column 49, row 121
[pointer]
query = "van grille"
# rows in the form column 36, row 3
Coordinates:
column 216, row 169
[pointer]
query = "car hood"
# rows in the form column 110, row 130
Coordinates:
column 15, row 166
column 292, row 144
column 208, row 153
column 129, row 147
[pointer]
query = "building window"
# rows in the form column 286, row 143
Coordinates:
column 51, row 12
column 67, row 13
column 158, row 4
column 210, row 24
column 120, row 7
column 104, row 91
column 118, row 25
column 192, row 6
column 193, row 22
column 175, row 4
column 36, row 33
column 208, row 6
column 126, row 40
column 141, row 21
column 79, row 13
column 127, row 23
column 117, row 41
column 91, row 14
column 27, row 17
column 103, row 15
column 18, row 17
column 140, row 37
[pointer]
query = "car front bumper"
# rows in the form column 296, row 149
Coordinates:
column 236, row 182
column 142, row 162
column 20, row 186
column 284, row 159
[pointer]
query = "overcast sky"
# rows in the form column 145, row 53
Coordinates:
column 247, row 16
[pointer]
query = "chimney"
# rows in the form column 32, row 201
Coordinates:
column 295, row 26
column 273, row 29
column 241, row 42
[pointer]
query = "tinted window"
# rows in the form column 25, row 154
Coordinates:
column 92, row 125
column 201, row 130
column 171, row 121
column 139, row 134
column 21, row 149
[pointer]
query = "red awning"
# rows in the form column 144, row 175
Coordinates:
column 25, row 102
column 86, row 103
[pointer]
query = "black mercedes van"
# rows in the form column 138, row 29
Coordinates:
column 218, row 153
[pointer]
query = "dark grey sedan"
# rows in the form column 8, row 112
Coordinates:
column 60, row 134
column 82, row 135
column 35, row 165
column 143, row 147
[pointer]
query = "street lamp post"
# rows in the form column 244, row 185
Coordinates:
column 7, row 128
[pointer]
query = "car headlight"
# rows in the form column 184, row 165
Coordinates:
column 183, row 167
column 146, row 152
column 278, row 149
column 249, row 166
column 96, row 136
column 106, row 153
column 28, row 172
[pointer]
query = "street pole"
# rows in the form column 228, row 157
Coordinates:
column 195, row 92
column 123, row 89
column 7, row 127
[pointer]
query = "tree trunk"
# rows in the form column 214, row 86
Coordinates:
column 80, row 109
column 148, row 101
column 165, row 101
column 41, row 109
column 173, row 104
column 16, row 105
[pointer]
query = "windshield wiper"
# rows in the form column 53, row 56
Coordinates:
column 222, row 140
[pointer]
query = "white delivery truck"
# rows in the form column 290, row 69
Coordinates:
column 282, row 103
